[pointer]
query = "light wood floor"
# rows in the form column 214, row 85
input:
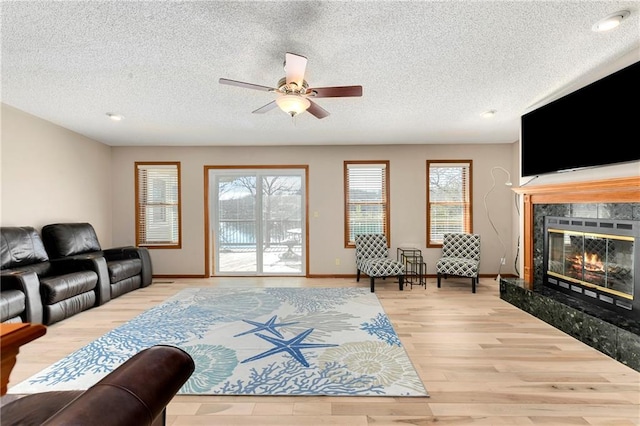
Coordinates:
column 483, row 361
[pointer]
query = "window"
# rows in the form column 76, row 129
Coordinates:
column 158, row 205
column 448, row 199
column 366, row 199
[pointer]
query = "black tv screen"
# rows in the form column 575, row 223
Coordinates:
column 596, row 125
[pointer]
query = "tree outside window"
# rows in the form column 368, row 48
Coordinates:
column 448, row 199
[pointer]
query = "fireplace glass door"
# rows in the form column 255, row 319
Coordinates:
column 592, row 260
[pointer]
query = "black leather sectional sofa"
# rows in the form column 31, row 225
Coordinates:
column 47, row 279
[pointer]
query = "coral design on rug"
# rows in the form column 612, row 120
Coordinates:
column 257, row 341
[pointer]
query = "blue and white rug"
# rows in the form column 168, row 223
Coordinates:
column 257, row 341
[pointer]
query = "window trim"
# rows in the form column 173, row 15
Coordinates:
column 385, row 192
column 469, row 219
column 137, row 202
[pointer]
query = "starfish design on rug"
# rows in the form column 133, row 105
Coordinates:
column 269, row 326
column 292, row 347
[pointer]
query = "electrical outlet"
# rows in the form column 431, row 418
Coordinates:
column 337, row 261
column 503, row 260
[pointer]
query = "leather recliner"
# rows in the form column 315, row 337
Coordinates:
column 135, row 393
column 65, row 287
column 126, row 268
column 20, row 297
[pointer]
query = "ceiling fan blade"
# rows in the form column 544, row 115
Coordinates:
column 295, row 67
column 268, row 107
column 245, row 85
column 316, row 110
column 335, row 92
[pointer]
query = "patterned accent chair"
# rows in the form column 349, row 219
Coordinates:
column 372, row 258
column 460, row 257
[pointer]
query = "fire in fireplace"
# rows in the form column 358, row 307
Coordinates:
column 595, row 260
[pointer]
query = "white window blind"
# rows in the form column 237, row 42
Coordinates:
column 158, row 204
column 366, row 199
column 448, row 199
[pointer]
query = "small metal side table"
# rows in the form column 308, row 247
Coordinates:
column 414, row 266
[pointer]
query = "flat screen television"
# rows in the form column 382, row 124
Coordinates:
column 596, row 125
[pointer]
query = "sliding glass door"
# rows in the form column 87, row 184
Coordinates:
column 258, row 223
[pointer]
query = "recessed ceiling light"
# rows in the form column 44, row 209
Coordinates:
column 610, row 22
column 114, row 117
column 489, row 114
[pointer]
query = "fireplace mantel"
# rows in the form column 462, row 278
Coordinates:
column 617, row 190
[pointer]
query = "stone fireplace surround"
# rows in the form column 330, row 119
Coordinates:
column 610, row 333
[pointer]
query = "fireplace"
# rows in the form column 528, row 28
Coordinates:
column 594, row 260
column 612, row 329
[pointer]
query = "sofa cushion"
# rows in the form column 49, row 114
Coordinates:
column 457, row 266
column 69, row 239
column 12, row 304
column 125, row 286
column 62, row 287
column 382, row 267
column 20, row 246
column 68, row 307
column 122, row 269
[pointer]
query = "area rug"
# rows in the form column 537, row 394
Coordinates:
column 257, row 341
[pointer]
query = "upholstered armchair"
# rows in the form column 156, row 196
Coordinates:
column 372, row 258
column 460, row 257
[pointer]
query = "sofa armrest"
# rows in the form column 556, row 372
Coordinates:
column 120, row 253
column 28, row 283
column 136, row 393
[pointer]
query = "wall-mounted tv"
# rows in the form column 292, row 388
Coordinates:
column 596, row 125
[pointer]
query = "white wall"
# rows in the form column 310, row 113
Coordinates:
column 50, row 174
column 326, row 197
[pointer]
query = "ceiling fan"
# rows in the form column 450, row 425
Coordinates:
column 294, row 93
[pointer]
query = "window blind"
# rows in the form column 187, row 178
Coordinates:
column 158, row 204
column 449, row 199
column 366, row 195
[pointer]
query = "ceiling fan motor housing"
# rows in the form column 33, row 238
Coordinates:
column 292, row 88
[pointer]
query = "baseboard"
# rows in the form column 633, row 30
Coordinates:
column 177, row 276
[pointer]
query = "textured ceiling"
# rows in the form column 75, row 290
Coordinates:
column 428, row 69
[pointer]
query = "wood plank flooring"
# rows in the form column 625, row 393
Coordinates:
column 483, row 362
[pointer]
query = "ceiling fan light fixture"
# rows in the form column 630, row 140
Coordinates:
column 293, row 104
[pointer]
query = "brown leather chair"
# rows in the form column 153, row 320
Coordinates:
column 136, row 393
